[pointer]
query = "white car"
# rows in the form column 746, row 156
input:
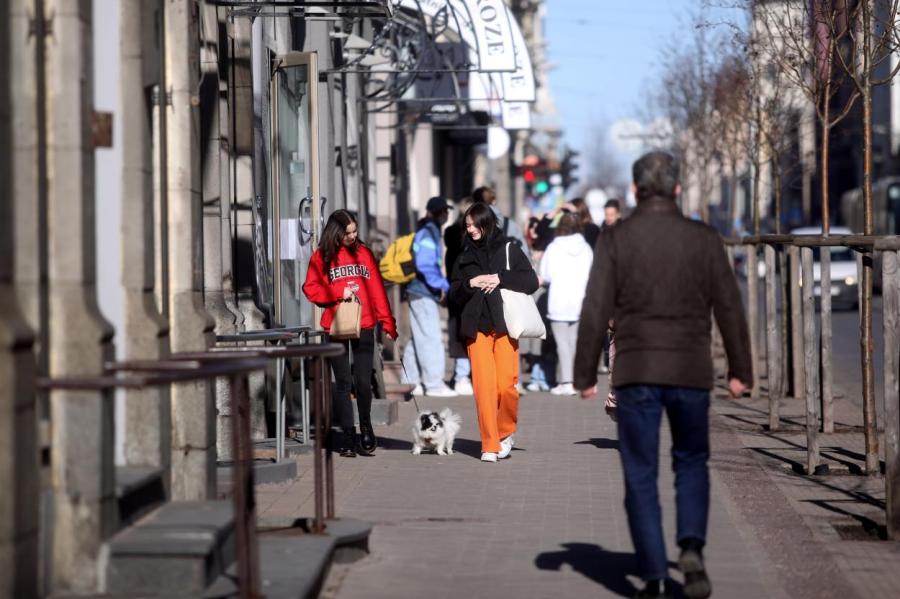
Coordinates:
column 844, row 290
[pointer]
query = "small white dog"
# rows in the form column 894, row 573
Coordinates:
column 437, row 431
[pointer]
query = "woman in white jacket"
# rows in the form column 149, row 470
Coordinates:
column 565, row 267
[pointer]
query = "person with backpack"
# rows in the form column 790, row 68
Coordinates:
column 491, row 261
column 423, row 358
column 341, row 269
column 456, row 344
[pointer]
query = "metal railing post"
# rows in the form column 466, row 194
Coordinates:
column 243, row 494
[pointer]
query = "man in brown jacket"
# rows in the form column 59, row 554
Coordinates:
column 659, row 276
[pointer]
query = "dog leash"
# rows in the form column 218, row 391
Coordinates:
column 415, row 403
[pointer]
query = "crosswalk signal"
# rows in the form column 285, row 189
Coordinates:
column 568, row 167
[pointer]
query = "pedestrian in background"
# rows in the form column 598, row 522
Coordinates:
column 565, row 267
column 507, row 225
column 340, row 268
column 658, row 275
column 423, row 358
column 589, row 230
column 612, row 213
column 456, row 344
column 480, row 273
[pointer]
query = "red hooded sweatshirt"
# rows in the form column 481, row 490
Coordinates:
column 327, row 289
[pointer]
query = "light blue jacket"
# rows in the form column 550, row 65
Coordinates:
column 430, row 280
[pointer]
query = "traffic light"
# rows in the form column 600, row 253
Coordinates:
column 568, row 167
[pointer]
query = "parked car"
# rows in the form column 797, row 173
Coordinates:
column 844, row 288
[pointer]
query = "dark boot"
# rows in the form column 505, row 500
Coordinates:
column 348, row 444
column 655, row 589
column 367, row 440
column 696, row 582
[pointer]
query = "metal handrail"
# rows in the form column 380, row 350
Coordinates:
column 174, row 370
column 324, row 467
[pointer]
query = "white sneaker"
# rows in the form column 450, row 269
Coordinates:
column 521, row 388
column 489, row 456
column 442, row 391
column 506, row 446
column 463, row 387
column 563, row 389
column 536, row 387
column 418, row 391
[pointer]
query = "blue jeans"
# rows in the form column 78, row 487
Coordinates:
column 639, row 412
column 423, row 358
column 462, row 369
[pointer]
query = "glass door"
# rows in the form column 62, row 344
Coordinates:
column 294, row 183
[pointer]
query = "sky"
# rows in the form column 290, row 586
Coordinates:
column 605, row 54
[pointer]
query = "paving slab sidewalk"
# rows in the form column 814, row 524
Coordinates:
column 549, row 522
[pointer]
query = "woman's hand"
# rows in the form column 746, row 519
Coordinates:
column 477, row 282
column 491, row 282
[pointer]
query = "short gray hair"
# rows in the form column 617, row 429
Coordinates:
column 656, row 174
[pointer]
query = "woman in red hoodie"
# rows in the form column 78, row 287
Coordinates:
column 341, row 267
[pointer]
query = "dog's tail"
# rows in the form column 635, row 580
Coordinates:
column 450, row 418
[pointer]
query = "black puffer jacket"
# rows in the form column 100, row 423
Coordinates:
column 486, row 258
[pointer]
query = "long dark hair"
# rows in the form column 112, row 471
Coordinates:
column 483, row 218
column 333, row 236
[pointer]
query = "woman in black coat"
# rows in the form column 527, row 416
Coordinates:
column 478, row 275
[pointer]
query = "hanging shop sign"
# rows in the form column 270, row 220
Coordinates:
column 516, row 115
column 493, row 27
column 519, row 85
column 503, row 83
column 485, row 25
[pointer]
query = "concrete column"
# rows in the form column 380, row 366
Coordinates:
column 239, row 115
column 30, row 213
column 216, row 191
column 193, row 408
column 147, row 411
column 80, row 340
column 19, row 472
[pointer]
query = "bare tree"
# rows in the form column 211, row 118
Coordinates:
column 685, row 98
column 801, row 40
column 870, row 28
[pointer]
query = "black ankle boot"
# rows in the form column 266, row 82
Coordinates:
column 655, row 589
column 348, row 444
column 367, row 440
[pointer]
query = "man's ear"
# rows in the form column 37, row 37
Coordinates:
column 633, row 188
column 678, row 190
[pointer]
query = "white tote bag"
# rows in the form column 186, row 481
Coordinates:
column 520, row 312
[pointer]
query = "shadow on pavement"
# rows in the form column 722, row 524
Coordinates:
column 464, row 446
column 601, row 443
column 607, row 568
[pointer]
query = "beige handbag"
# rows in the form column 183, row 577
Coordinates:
column 347, row 319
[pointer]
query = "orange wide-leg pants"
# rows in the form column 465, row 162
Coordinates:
column 495, row 374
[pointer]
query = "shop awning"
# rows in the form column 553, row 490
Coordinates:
column 317, row 9
column 493, row 74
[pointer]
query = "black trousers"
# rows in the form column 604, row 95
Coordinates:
column 358, row 376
